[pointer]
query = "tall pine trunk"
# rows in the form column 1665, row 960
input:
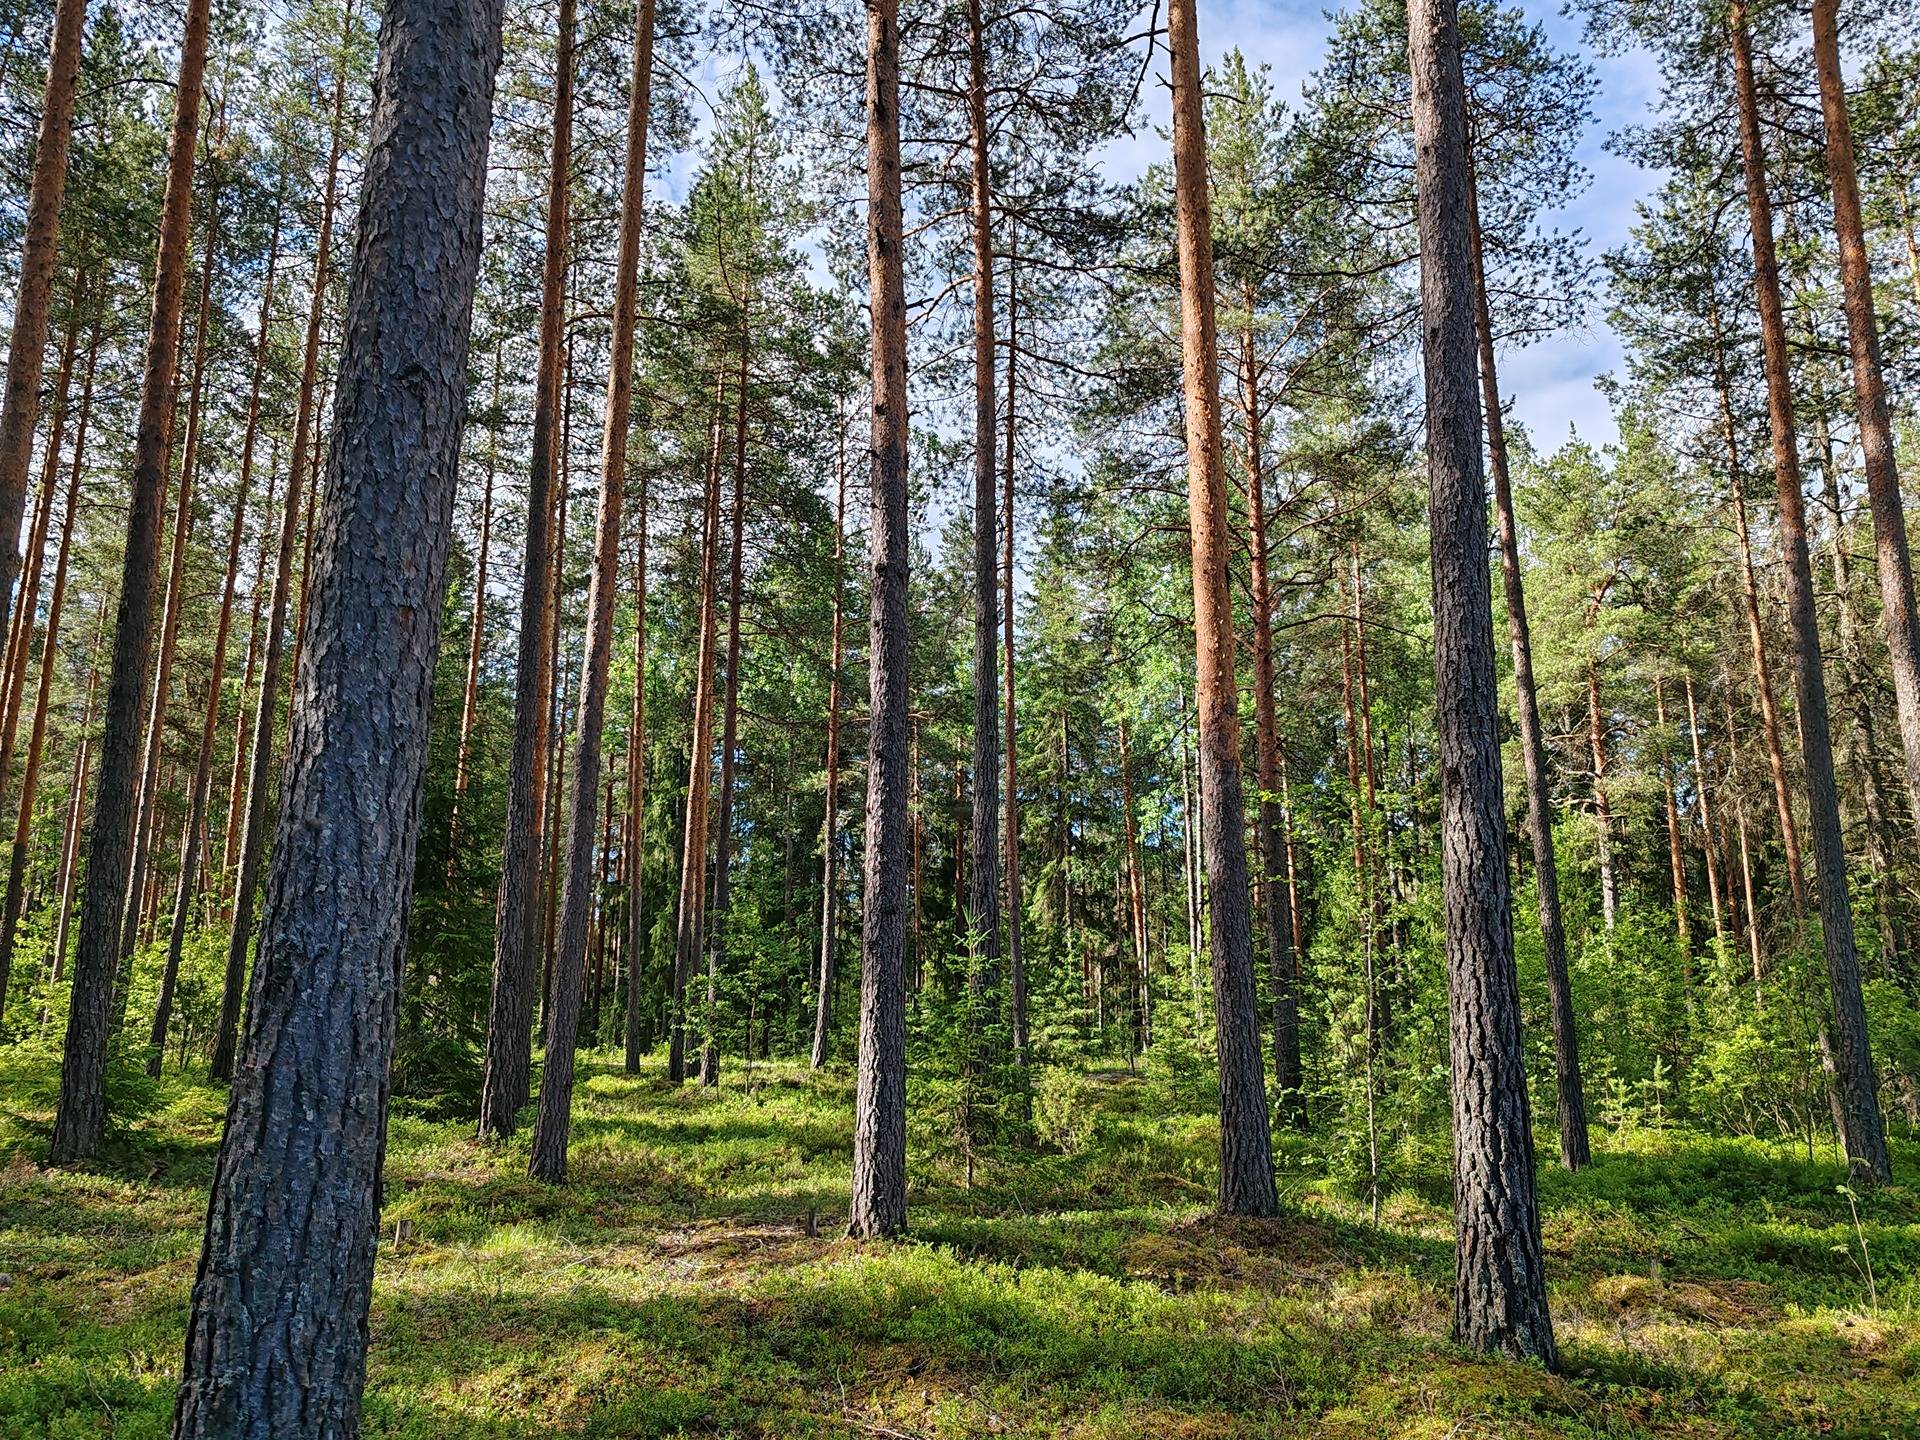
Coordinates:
column 193, row 843
column 1569, row 1091
column 879, row 1191
column 518, row 918
column 287, row 1264
column 1855, row 1093
column 1246, row 1143
column 260, row 771
column 983, row 899
column 80, row 1119
column 49, row 659
column 1275, row 896
column 1891, row 558
column 27, row 344
column 551, row 1127
column 1500, row 1293
column 830, row 822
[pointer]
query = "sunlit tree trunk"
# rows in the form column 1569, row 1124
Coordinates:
column 1857, row 1106
column 1709, row 845
column 1892, row 561
column 1246, row 1185
column 476, row 631
column 27, row 343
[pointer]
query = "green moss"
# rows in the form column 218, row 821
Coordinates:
column 691, row 1281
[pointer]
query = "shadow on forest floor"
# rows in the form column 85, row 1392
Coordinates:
column 690, row 1280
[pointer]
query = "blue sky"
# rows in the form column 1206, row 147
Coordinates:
column 1551, row 384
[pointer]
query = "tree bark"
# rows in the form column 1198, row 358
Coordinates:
column 554, row 1122
column 1708, row 843
column 716, row 946
column 49, row 657
column 193, row 842
column 1756, row 636
column 276, row 1345
column 260, row 759
column 27, row 345
column 1276, row 897
column 79, row 1122
column 517, row 911
column 983, row 900
column 146, row 820
column 1676, row 861
column 830, row 823
column 1569, row 1088
column 1500, row 1299
column 879, row 1192
column 1893, row 562
column 1010, row 800
column 690, row 917
column 1855, row 1090
column 476, row 630
column 1246, row 1146
column 635, row 850
column 1602, row 801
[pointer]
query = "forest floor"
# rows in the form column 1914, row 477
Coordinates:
column 677, row 1286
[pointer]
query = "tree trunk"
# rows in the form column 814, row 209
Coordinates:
column 634, row 947
column 1500, row 1298
column 1857, row 1105
column 1246, row 1146
column 76, row 815
column 20, row 637
column 690, row 920
column 146, row 821
column 260, row 760
column 1756, row 637
column 830, row 824
column 1602, row 802
column 1136, row 900
column 1276, row 896
column 242, row 732
column 1569, row 1088
column 1708, row 844
column 716, row 946
column 278, row 1336
column 983, row 901
column 1892, row 560
column 517, row 910
column 27, row 345
column 80, row 1120
column 476, row 630
column 552, row 1126
column 1676, row 862
column 879, row 1192
column 193, row 842
column 49, row 658
column 1010, row 800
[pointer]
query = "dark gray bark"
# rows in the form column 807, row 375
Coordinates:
column 1569, row 1093
column 554, row 1121
column 1855, row 1093
column 1500, row 1295
column 518, row 912
column 1246, row 1141
column 879, row 1200
column 276, row 1346
column 81, row 1118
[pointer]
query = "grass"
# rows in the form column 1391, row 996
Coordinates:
column 690, row 1282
